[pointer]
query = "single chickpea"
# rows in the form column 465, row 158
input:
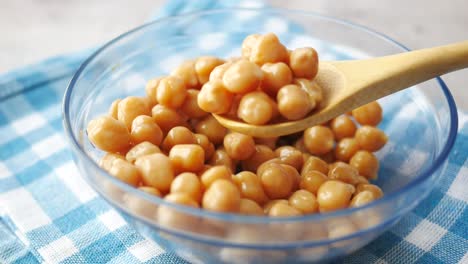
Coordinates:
column 248, row 43
column 312, row 180
column 171, row 92
column 187, row 157
column 182, row 199
column 343, row 127
column 156, row 171
column 314, row 164
column 318, row 140
column 249, row 207
column 214, row 98
column 211, row 128
column 170, row 217
column 140, row 150
column 304, row 201
column 343, row 172
column 346, row 148
column 167, row 118
column 218, row 72
column 262, row 154
column 239, row 146
column 369, row 114
column 250, row 186
column 178, row 135
column 188, row 183
column 276, row 181
column 366, row 163
column 304, row 63
column 371, row 138
column 144, row 128
column 190, row 106
column 293, row 102
column 256, row 108
column 275, row 76
column 311, row 88
column 207, row 146
column 114, row 109
column 283, row 210
column 186, row 72
column 215, row 173
column 334, row 195
column 265, row 164
column 362, row 198
column 106, row 161
column 220, row 157
column 362, row 179
column 108, row 134
column 150, row 190
column 222, row 196
column 125, row 171
column 204, row 66
column 242, row 77
column 378, row 193
column 293, row 174
column 151, row 88
column 267, row 207
column 340, row 228
column 269, row 142
column 131, row 107
column 291, row 156
column 267, row 48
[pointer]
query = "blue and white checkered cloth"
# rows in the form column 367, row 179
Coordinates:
column 49, row 214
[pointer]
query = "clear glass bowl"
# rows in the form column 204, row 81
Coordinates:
column 421, row 123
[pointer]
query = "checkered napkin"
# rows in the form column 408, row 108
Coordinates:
column 49, row 214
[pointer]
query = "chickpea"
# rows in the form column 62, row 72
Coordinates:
column 267, row 48
column 362, row 179
column 170, row 217
column 220, row 157
column 311, row 88
column 366, row 163
column 242, row 77
column 144, row 128
column 190, row 106
column 186, row 72
column 378, row 193
column 343, row 127
column 304, row 201
column 150, row 190
column 234, row 106
column 131, row 107
column 256, row 108
column 334, row 195
column 248, row 43
column 249, row 207
column 314, row 164
column 171, row 92
column 125, row 171
column 222, row 196
column 304, row 63
column 215, row 173
column 267, row 207
column 300, row 145
column 108, row 134
column 188, row 183
column 276, row 181
column 182, row 199
column 269, row 142
column 211, row 128
column 218, row 72
column 340, row 228
column 362, row 198
column 371, row 138
column 346, row 148
column 178, row 135
column 343, row 172
column 214, row 98
column 141, row 206
column 151, row 88
column 167, row 118
column 293, row 174
column 106, row 161
column 369, row 114
column 312, row 180
column 283, row 210
column 239, row 146
column 262, row 154
column 114, row 109
column 204, row 66
column 187, row 157
column 293, row 102
column 140, row 150
column 250, row 186
column 275, row 76
column 207, row 146
column 318, row 140
column 291, row 156
column 156, row 171
column 265, row 164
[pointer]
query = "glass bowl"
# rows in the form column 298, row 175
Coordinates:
column 421, row 123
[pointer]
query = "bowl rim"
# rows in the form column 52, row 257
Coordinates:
column 422, row 177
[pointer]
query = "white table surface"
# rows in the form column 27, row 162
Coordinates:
column 36, row 29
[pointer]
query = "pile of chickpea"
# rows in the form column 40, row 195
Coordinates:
column 169, row 145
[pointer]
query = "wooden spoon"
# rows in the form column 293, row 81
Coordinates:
column 347, row 85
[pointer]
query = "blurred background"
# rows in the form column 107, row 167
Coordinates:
column 33, row 30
